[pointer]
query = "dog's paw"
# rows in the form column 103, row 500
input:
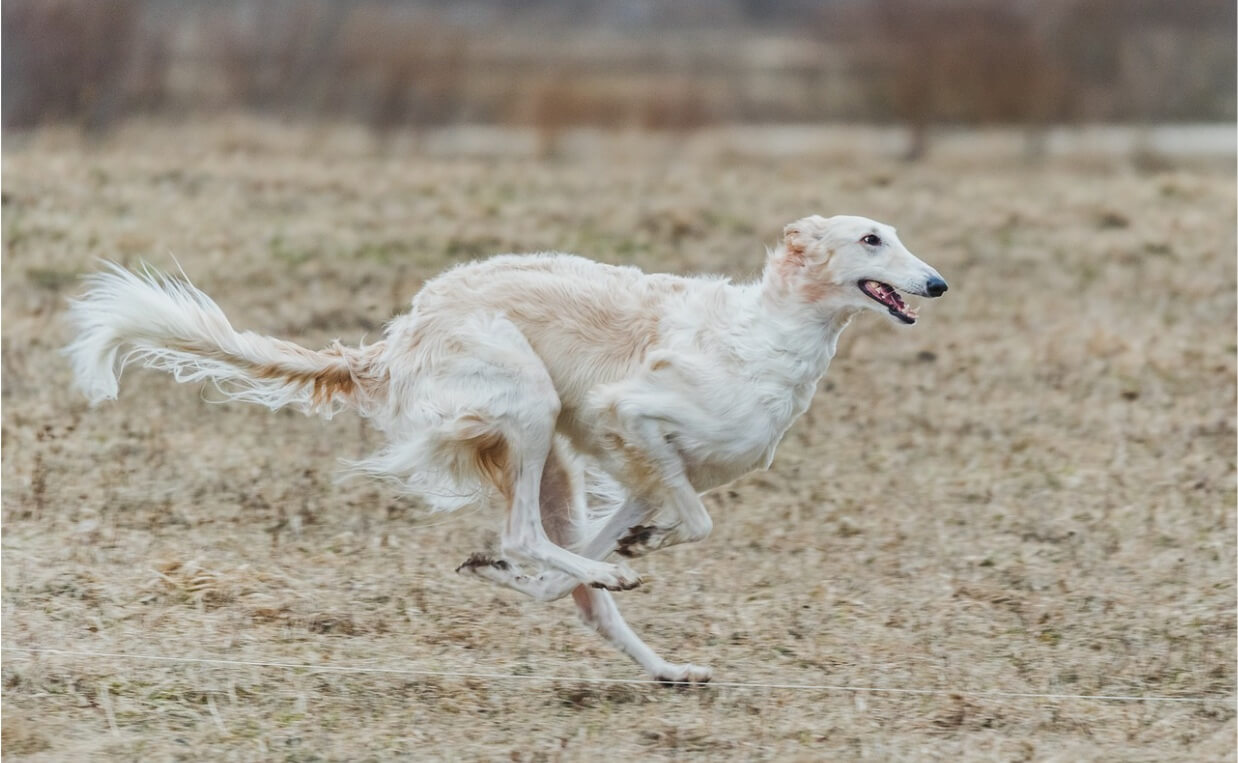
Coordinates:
column 617, row 577
column 479, row 561
column 641, row 539
column 683, row 675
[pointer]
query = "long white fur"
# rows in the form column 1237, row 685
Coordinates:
column 164, row 323
column 594, row 402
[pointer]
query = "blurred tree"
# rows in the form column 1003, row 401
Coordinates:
column 637, row 63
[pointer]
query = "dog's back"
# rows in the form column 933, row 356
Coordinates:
column 589, row 322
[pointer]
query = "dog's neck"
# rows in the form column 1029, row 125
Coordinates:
column 803, row 335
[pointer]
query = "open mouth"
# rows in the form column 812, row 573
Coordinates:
column 887, row 295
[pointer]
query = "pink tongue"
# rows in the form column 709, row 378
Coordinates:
column 887, row 295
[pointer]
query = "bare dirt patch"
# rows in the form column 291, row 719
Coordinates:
column 1032, row 490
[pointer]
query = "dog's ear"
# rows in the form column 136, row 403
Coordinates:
column 798, row 237
column 795, row 244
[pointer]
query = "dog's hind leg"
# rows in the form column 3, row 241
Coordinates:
column 598, row 611
column 510, row 427
column 563, row 518
column 546, row 585
column 524, row 536
column 557, row 498
column 550, row 585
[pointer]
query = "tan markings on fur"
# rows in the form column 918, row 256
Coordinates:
column 345, row 371
column 790, row 263
column 817, row 286
column 493, row 461
column 626, row 336
column 644, row 474
column 814, row 292
column 794, row 264
column 659, row 364
column 490, row 454
column 326, row 382
column 641, row 473
column 796, row 251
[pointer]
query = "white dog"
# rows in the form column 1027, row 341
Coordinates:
column 594, row 403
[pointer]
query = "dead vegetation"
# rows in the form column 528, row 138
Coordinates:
column 1031, row 491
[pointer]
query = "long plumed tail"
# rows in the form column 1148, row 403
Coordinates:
column 168, row 324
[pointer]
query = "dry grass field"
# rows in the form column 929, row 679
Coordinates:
column 1030, row 491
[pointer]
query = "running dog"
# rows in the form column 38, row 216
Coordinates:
column 593, row 403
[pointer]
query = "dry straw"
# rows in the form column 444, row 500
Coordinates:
column 592, row 680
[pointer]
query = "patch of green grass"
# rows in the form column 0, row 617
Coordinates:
column 52, row 279
column 290, row 254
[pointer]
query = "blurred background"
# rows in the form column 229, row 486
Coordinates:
column 548, row 68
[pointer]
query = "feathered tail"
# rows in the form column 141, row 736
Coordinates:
column 168, row 324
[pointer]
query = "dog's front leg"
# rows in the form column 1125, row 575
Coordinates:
column 656, row 467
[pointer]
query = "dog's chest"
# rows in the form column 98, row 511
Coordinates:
column 739, row 431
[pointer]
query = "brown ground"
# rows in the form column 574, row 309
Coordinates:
column 1032, row 490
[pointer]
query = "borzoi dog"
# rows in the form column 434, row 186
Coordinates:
column 593, row 403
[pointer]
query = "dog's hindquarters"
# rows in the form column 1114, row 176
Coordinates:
column 170, row 325
column 474, row 414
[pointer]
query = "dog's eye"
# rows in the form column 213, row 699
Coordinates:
column 871, row 240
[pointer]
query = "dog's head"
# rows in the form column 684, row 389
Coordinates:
column 845, row 261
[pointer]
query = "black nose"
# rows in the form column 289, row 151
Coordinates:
column 935, row 287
